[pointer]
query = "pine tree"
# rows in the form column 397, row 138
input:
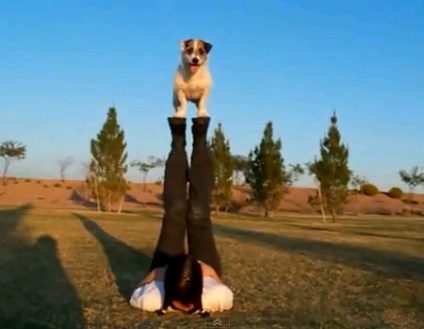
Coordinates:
column 223, row 169
column 108, row 164
column 266, row 172
column 332, row 172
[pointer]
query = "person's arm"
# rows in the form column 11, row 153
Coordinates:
column 209, row 271
column 157, row 274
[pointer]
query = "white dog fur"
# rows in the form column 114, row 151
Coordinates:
column 192, row 81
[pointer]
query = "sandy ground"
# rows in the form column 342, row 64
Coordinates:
column 70, row 195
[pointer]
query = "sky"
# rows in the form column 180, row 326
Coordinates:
column 64, row 63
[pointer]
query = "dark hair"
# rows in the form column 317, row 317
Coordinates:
column 183, row 282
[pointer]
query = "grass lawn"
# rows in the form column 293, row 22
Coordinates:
column 77, row 270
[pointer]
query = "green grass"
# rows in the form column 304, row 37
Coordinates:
column 65, row 270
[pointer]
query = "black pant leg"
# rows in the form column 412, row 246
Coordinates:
column 174, row 223
column 201, row 241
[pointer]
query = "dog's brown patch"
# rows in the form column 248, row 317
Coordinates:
column 189, row 46
column 204, row 47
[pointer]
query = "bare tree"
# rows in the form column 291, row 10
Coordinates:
column 11, row 150
column 63, row 165
column 145, row 167
column 316, row 200
column 91, row 184
column 240, row 163
column 356, row 182
column 413, row 178
column 86, row 176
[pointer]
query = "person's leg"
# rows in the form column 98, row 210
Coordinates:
column 172, row 234
column 201, row 242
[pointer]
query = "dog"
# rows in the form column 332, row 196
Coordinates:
column 192, row 81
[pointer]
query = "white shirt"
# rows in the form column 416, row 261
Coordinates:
column 216, row 297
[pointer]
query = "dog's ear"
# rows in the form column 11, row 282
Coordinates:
column 184, row 44
column 208, row 46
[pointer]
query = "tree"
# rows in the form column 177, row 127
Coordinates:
column 413, row 178
column 86, row 187
column 331, row 171
column 151, row 163
column 223, row 169
column 316, row 200
column 357, row 181
column 108, row 163
column 294, row 173
column 63, row 165
column 11, row 150
column 240, row 166
column 266, row 172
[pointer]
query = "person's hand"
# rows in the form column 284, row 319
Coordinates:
column 157, row 274
column 209, row 271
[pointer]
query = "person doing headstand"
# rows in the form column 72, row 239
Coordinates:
column 188, row 282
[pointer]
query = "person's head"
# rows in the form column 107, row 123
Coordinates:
column 183, row 284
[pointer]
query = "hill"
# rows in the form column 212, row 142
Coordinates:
column 71, row 195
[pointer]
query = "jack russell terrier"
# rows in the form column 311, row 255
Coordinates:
column 192, row 81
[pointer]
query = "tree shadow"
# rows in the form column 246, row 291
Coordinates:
column 354, row 232
column 159, row 197
column 34, row 287
column 10, row 220
column 386, row 263
column 126, row 263
column 131, row 199
column 76, row 198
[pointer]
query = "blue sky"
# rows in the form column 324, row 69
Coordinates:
column 63, row 63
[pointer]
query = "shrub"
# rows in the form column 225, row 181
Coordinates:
column 57, row 185
column 395, row 193
column 368, row 189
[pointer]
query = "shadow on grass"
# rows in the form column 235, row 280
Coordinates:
column 380, row 262
column 126, row 263
column 10, row 220
column 34, row 288
column 355, row 232
column 78, row 199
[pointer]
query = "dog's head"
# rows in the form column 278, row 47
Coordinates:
column 194, row 53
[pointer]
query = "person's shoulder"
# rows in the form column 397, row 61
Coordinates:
column 148, row 297
column 216, row 296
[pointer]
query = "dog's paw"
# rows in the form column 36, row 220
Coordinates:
column 202, row 113
column 180, row 112
column 179, row 115
column 161, row 312
column 205, row 314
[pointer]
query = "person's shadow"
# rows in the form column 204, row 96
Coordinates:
column 34, row 288
column 127, row 264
